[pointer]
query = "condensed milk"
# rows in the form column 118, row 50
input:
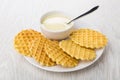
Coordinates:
column 54, row 25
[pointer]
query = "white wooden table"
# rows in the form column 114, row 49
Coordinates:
column 16, row 15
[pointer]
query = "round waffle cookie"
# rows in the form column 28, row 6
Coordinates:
column 22, row 41
column 58, row 55
column 75, row 50
column 38, row 52
column 89, row 38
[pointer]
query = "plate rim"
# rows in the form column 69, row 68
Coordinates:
column 41, row 67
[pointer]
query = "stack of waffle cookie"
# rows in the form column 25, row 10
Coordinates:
column 81, row 45
column 46, row 52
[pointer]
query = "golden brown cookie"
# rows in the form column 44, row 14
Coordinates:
column 22, row 41
column 75, row 50
column 58, row 55
column 89, row 38
column 39, row 54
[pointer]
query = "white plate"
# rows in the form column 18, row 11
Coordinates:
column 81, row 65
column 58, row 68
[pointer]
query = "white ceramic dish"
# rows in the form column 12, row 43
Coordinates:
column 80, row 66
column 54, row 34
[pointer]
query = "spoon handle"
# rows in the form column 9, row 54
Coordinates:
column 91, row 10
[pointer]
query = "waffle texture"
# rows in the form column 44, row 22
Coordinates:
column 39, row 54
column 58, row 55
column 75, row 50
column 23, row 40
column 89, row 38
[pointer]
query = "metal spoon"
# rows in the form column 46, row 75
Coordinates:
column 88, row 12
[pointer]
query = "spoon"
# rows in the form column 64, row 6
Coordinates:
column 88, row 12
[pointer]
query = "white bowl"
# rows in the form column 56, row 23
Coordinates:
column 56, row 35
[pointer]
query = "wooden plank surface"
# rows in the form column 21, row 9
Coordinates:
column 16, row 15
